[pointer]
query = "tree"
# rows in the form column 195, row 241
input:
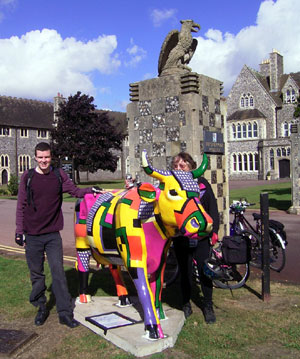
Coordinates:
column 297, row 109
column 85, row 135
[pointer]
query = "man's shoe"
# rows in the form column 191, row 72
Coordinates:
column 41, row 317
column 187, row 310
column 209, row 314
column 69, row 321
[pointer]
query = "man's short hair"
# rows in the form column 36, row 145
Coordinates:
column 42, row 146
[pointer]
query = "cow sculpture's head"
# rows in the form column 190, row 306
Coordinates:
column 177, row 199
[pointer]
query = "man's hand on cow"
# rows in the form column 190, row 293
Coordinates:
column 20, row 239
column 96, row 190
column 214, row 239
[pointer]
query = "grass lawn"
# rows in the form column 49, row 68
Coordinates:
column 279, row 195
column 246, row 326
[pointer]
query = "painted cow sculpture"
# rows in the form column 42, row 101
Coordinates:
column 134, row 228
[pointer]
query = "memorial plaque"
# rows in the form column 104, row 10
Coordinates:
column 213, row 142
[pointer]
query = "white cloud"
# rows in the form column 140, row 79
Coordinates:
column 40, row 63
column 277, row 26
column 136, row 53
column 159, row 16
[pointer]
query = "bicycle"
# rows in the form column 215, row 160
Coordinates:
column 224, row 275
column 277, row 235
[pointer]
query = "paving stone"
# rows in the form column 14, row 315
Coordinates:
column 12, row 340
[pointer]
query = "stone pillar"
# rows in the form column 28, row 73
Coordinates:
column 180, row 112
column 295, row 163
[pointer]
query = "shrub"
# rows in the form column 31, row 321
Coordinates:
column 13, row 185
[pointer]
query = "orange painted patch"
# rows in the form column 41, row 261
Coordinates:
column 135, row 198
column 135, row 247
column 190, row 208
column 80, row 230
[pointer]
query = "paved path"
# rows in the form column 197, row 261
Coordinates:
column 291, row 273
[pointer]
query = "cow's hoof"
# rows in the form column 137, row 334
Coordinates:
column 124, row 301
column 151, row 332
column 85, row 298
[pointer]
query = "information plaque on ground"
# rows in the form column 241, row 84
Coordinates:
column 110, row 320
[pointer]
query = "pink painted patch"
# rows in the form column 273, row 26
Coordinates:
column 109, row 218
column 155, row 245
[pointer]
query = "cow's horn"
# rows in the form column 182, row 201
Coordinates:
column 202, row 168
column 151, row 171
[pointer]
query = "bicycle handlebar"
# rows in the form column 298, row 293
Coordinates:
column 240, row 205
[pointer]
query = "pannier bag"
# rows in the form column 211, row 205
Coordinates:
column 236, row 249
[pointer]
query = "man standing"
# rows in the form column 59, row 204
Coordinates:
column 39, row 219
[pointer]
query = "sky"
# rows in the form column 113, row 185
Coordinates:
column 100, row 47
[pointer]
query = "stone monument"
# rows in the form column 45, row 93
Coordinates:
column 180, row 110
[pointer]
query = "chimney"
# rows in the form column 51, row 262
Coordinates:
column 276, row 70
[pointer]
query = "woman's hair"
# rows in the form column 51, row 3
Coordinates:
column 186, row 157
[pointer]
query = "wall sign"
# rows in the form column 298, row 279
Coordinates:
column 213, row 142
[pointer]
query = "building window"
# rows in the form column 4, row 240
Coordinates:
column 234, row 162
column 286, row 129
column 255, row 162
column 245, row 130
column 245, row 162
column 288, row 151
column 246, row 100
column 255, row 132
column 290, row 96
column 233, row 131
column 283, row 151
column 24, row 163
column 278, row 152
column 239, row 132
column 24, row 132
column 240, row 163
column 42, row 133
column 4, row 131
column 272, row 159
column 4, row 161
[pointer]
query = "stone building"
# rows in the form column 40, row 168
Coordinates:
column 24, row 123
column 260, row 109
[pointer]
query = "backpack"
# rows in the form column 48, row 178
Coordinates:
column 29, row 191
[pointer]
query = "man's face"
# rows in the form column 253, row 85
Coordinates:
column 43, row 159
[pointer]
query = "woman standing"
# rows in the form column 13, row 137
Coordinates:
column 186, row 248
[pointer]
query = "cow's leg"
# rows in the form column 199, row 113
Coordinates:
column 83, row 261
column 151, row 320
column 124, row 299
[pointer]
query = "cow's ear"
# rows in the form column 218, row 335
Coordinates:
column 148, row 192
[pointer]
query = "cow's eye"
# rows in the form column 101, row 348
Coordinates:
column 173, row 195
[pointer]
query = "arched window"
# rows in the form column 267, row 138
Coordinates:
column 245, row 162
column 290, row 95
column 24, row 163
column 256, row 162
column 4, row 161
column 286, row 129
column 234, row 162
column 271, row 159
column 283, row 151
column 278, row 152
column 288, row 151
column 239, row 133
column 246, row 100
column 233, row 131
column 240, row 163
column 249, row 130
column 244, row 130
column 250, row 162
column 255, row 132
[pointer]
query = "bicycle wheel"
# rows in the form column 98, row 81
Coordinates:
column 255, row 245
column 239, row 274
column 172, row 269
column 277, row 253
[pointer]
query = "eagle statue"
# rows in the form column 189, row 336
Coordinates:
column 178, row 49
